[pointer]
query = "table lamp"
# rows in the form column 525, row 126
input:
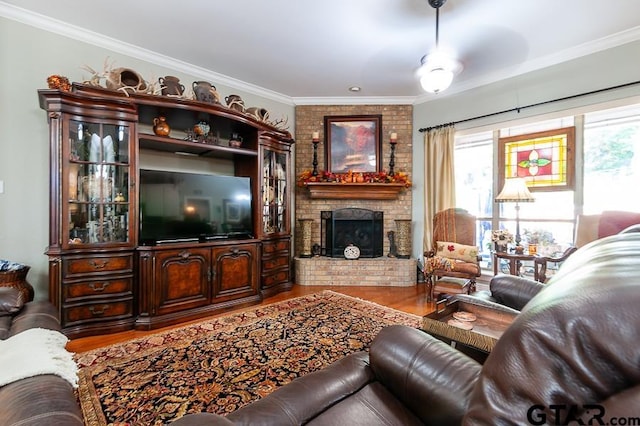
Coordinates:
column 515, row 191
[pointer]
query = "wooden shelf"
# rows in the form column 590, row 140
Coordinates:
column 354, row 191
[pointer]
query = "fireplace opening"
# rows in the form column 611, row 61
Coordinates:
column 360, row 227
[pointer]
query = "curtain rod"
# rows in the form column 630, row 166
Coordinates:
column 518, row 109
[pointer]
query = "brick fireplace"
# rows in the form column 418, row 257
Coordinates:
column 375, row 271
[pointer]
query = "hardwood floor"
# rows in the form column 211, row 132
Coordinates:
column 407, row 299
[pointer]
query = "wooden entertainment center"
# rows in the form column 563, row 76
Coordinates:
column 101, row 278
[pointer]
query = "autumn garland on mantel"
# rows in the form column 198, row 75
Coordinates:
column 354, row 177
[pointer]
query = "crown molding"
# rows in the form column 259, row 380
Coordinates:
column 77, row 33
column 360, row 100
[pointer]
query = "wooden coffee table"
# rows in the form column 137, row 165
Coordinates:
column 489, row 325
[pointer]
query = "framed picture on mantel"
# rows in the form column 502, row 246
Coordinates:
column 352, row 143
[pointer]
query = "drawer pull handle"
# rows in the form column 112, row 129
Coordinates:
column 98, row 265
column 97, row 312
column 99, row 286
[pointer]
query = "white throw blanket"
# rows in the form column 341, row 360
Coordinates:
column 36, row 351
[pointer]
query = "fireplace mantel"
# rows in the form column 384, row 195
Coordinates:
column 354, row 191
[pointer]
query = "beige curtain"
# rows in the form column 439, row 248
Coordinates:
column 439, row 177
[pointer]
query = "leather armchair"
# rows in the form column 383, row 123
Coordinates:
column 572, row 346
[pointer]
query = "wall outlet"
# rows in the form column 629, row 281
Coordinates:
column 1, row 187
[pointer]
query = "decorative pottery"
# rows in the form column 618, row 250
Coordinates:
column 305, row 230
column 502, row 248
column 161, row 127
column 127, row 79
column 533, row 248
column 403, row 238
column 235, row 140
column 171, row 86
column 260, row 114
column 202, row 128
column 351, row 252
column 235, row 102
column 205, row 92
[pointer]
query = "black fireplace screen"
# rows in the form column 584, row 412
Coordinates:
column 360, row 227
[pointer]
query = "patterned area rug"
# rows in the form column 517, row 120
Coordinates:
column 221, row 364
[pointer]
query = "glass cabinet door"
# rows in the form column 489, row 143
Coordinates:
column 274, row 187
column 96, row 184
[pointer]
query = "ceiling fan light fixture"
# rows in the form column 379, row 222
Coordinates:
column 436, row 80
column 437, row 70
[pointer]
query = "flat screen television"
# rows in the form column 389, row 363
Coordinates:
column 179, row 206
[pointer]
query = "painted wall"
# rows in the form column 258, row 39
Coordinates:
column 28, row 56
column 594, row 72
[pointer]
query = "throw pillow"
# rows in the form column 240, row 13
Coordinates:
column 11, row 301
column 457, row 251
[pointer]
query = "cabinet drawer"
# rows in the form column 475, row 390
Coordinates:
column 97, row 288
column 269, row 247
column 98, row 264
column 279, row 277
column 97, row 311
column 276, row 262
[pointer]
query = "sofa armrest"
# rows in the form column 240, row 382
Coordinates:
column 40, row 400
column 431, row 378
column 37, row 314
column 512, row 291
column 482, row 302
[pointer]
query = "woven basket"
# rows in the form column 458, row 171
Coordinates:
column 17, row 279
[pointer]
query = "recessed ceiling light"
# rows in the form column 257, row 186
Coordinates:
column 354, row 89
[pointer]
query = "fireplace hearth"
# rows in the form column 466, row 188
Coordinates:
column 360, row 227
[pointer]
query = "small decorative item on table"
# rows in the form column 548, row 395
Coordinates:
column 351, row 252
column 501, row 239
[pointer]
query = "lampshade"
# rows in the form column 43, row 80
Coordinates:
column 514, row 191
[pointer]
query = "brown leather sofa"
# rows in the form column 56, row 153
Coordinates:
column 571, row 353
column 40, row 400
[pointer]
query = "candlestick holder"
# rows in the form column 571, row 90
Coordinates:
column 315, row 156
column 392, row 158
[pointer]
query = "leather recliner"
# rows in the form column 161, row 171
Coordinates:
column 570, row 354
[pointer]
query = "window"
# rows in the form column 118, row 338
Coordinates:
column 612, row 160
column 474, row 185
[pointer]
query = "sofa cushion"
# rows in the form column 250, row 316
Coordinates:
column 11, row 301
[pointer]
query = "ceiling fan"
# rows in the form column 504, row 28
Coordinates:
column 437, row 68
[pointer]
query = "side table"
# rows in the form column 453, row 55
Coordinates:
column 515, row 262
column 492, row 320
